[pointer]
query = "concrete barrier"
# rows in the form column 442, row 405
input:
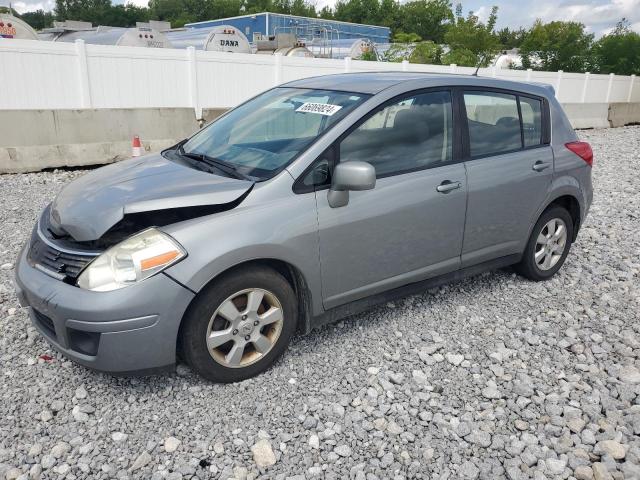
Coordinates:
column 587, row 115
column 32, row 140
column 621, row 114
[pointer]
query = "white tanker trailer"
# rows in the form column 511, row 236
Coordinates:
column 284, row 43
column 222, row 38
column 351, row 47
column 142, row 35
column 14, row 28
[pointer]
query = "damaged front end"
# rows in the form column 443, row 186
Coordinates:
column 56, row 253
column 110, row 205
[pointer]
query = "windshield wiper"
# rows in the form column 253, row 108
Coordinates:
column 215, row 162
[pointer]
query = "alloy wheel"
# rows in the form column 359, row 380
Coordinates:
column 244, row 328
column 550, row 244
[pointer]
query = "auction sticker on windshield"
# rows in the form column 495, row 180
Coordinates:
column 319, row 108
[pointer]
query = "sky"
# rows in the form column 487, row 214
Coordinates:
column 600, row 16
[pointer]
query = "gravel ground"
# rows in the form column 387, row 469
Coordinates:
column 494, row 377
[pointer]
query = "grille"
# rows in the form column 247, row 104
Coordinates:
column 45, row 322
column 61, row 263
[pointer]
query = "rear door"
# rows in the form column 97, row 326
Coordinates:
column 509, row 171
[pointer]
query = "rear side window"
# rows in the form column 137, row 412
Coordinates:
column 413, row 133
column 531, row 110
column 494, row 123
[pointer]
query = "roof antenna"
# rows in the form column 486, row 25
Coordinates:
column 484, row 57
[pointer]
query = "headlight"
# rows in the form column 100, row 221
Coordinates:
column 131, row 261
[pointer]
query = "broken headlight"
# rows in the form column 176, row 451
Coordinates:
column 132, row 260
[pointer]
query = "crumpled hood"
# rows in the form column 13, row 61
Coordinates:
column 88, row 207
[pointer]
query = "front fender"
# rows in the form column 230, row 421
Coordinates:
column 284, row 229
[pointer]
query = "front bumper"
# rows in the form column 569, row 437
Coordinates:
column 133, row 329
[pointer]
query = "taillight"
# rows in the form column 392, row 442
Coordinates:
column 583, row 150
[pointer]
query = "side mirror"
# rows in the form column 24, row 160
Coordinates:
column 350, row 176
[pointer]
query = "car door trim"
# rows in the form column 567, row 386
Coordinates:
column 412, row 288
column 413, row 276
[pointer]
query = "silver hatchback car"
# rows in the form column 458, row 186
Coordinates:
column 310, row 202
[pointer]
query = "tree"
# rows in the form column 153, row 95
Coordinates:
column 38, row 19
column 87, row 10
column 428, row 18
column 402, row 37
column 410, row 47
column 471, row 42
column 426, row 52
column 179, row 12
column 101, row 12
column 326, row 13
column 511, row 38
column 557, row 46
column 618, row 52
column 389, row 14
column 124, row 15
column 353, row 11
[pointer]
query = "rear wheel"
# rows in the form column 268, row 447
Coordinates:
column 239, row 325
column 548, row 245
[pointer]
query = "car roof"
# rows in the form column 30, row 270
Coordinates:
column 375, row 82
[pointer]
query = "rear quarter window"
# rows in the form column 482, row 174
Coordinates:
column 531, row 109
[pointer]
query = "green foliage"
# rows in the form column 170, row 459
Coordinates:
column 511, row 38
column 326, row 13
column 618, row 52
column 397, row 52
column 100, row 12
column 179, row 12
column 463, row 57
column 426, row 52
column 369, row 56
column 429, row 19
column 470, row 41
column 557, row 46
column 402, row 37
column 407, row 46
column 38, row 19
column 426, row 18
column 358, row 11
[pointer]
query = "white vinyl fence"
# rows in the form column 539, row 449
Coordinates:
column 48, row 75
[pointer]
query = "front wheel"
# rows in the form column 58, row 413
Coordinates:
column 548, row 245
column 239, row 324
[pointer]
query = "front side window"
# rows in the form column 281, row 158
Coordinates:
column 494, row 123
column 410, row 134
column 262, row 136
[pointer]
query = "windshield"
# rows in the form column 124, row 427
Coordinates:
column 262, row 136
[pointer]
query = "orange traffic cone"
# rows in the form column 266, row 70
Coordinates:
column 136, row 149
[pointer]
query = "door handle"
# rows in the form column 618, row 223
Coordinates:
column 540, row 166
column 447, row 186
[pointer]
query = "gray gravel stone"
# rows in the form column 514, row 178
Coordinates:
column 610, row 447
column 171, row 444
column 142, row 461
column 343, row 450
column 263, row 454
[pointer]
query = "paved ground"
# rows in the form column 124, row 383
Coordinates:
column 490, row 378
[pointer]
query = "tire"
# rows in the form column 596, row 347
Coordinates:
column 538, row 270
column 245, row 354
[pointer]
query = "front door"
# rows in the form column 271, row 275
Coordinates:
column 410, row 226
